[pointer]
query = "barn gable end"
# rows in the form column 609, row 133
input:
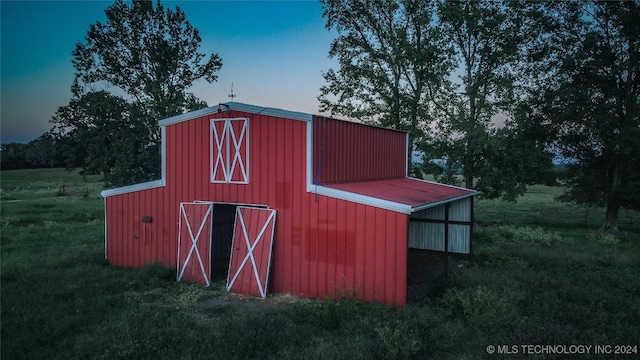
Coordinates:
column 340, row 191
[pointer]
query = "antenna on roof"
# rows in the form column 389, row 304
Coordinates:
column 232, row 95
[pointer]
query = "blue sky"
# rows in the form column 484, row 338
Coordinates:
column 274, row 53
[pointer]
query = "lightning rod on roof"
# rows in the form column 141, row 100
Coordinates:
column 232, row 95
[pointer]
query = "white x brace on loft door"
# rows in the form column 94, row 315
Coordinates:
column 230, row 150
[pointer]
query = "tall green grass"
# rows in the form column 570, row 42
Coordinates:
column 32, row 184
column 539, row 276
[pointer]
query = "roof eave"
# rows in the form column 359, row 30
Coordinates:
column 444, row 201
column 235, row 106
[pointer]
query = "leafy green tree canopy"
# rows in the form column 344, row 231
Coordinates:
column 592, row 100
column 441, row 70
column 150, row 53
column 151, row 56
column 391, row 56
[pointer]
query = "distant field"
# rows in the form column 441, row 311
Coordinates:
column 538, row 206
column 541, row 275
column 41, row 183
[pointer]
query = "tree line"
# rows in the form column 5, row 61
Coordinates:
column 489, row 91
column 562, row 76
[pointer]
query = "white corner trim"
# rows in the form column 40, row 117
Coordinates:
column 310, row 184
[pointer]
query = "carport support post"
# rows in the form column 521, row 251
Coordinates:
column 446, row 239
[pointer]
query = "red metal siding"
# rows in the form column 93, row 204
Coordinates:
column 345, row 151
column 352, row 249
column 322, row 245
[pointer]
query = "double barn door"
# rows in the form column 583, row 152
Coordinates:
column 251, row 247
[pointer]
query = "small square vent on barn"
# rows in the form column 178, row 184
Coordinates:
column 271, row 200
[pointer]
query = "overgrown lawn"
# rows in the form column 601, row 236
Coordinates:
column 542, row 274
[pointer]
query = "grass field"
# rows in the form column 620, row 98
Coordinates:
column 541, row 275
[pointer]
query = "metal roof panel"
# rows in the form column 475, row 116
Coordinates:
column 414, row 193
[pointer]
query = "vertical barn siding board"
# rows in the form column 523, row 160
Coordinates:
column 113, row 228
column 381, row 259
column 134, row 252
column 332, row 246
column 305, row 229
column 144, row 227
column 126, row 238
column 323, row 230
column 340, row 247
column 170, row 221
column 282, row 243
column 313, row 248
column 124, row 232
column 351, row 277
column 130, row 256
column 370, row 241
column 266, row 154
column 273, row 142
column 391, row 241
column 144, row 241
column 204, row 154
column 402, row 223
column 118, row 243
column 298, row 191
column 159, row 226
column 360, row 241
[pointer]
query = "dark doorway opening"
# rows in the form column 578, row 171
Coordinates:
column 425, row 274
column 221, row 240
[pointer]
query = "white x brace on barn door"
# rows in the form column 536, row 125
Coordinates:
column 194, row 242
column 251, row 253
column 230, row 150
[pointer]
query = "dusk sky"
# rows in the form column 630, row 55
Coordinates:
column 274, row 53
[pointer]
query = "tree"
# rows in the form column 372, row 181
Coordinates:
column 391, row 56
column 592, row 100
column 13, row 156
column 397, row 63
column 101, row 132
column 488, row 39
column 152, row 56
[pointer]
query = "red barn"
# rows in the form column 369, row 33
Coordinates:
column 293, row 203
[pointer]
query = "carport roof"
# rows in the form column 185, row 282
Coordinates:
column 408, row 194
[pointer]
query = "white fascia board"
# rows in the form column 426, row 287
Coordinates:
column 473, row 192
column 261, row 110
column 132, row 188
column 442, row 202
column 362, row 199
column 190, row 115
column 253, row 109
column 438, row 203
